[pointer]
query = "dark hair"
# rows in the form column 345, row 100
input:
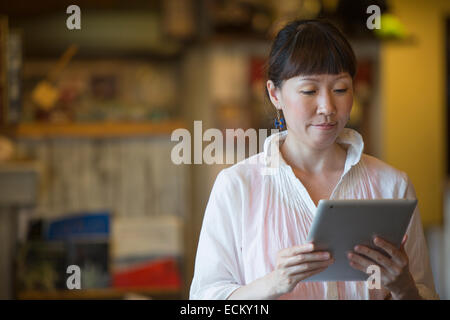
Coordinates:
column 307, row 47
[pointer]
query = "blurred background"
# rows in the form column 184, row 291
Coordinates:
column 86, row 117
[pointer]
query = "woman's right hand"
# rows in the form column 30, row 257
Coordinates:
column 295, row 264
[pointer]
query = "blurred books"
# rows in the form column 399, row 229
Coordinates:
column 53, row 244
column 41, row 266
column 157, row 273
column 122, row 252
column 146, row 252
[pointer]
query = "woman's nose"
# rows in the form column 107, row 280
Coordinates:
column 326, row 105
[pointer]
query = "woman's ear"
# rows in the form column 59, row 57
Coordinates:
column 274, row 94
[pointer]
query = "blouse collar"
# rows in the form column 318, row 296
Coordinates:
column 350, row 138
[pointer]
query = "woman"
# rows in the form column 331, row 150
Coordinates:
column 253, row 240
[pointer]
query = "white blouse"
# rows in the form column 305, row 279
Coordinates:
column 251, row 215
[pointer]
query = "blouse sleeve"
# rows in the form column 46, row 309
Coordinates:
column 417, row 251
column 218, row 264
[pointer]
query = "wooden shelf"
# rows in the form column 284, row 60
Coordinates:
column 107, row 293
column 94, row 130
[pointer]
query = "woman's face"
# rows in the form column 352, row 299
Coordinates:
column 316, row 108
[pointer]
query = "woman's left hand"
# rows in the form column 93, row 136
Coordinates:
column 394, row 269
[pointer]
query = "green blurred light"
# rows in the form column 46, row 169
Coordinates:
column 391, row 27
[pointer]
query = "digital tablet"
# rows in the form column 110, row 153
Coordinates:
column 339, row 225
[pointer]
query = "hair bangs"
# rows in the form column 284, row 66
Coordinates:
column 315, row 51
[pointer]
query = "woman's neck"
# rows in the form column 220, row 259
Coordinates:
column 310, row 160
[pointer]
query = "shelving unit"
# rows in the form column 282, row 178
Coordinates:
column 93, row 130
column 103, row 294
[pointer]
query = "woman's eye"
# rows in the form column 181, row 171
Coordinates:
column 311, row 92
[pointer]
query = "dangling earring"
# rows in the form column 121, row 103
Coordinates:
column 279, row 122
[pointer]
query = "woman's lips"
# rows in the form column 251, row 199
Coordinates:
column 328, row 126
